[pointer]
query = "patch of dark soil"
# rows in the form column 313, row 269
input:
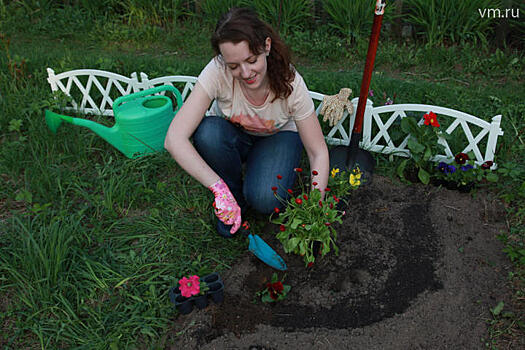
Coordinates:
column 412, row 260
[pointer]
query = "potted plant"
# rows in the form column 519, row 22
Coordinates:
column 192, row 287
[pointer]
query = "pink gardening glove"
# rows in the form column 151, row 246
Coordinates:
column 226, row 207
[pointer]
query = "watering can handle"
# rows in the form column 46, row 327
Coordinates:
column 147, row 92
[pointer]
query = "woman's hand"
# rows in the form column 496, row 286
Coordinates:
column 226, row 207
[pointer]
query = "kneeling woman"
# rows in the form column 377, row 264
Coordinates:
column 263, row 115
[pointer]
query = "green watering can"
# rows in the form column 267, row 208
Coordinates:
column 141, row 121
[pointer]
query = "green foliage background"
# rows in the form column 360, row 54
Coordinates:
column 91, row 241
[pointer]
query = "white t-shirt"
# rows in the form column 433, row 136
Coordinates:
column 266, row 119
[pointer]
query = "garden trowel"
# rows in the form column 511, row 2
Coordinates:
column 262, row 250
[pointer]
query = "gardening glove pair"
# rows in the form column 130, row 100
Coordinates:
column 226, row 207
column 334, row 106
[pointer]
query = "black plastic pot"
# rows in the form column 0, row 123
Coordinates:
column 200, row 301
column 466, row 188
column 211, row 278
column 173, row 293
column 184, row 305
column 216, row 292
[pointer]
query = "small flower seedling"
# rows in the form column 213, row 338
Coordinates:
column 274, row 291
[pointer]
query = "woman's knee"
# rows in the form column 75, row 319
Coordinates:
column 262, row 200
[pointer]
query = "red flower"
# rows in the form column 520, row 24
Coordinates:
column 298, row 169
column 487, row 165
column 336, row 199
column 279, row 177
column 327, row 223
column 461, row 158
column 282, row 228
column 327, row 189
column 276, row 210
column 275, row 289
column 310, row 264
column 314, row 172
column 331, row 205
column 290, row 191
column 431, row 119
column 321, row 204
column 274, row 188
column 298, row 201
column 305, row 197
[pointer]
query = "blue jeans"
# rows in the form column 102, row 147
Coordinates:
column 226, row 148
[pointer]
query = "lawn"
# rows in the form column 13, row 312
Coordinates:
column 90, row 241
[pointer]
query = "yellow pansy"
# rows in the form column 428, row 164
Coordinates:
column 334, row 171
column 355, row 177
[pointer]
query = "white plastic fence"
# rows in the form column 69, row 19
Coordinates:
column 96, row 90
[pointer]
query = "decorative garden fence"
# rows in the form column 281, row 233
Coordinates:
column 97, row 89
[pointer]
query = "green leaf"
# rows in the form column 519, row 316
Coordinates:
column 497, row 310
column 401, row 168
column 492, row 177
column 414, row 146
column 428, row 154
column 296, row 222
column 293, row 242
column 423, row 176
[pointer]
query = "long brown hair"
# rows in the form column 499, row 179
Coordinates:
column 243, row 24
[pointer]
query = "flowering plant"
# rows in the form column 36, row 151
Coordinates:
column 340, row 182
column 423, row 143
column 274, row 291
column 464, row 171
column 307, row 219
column 192, row 285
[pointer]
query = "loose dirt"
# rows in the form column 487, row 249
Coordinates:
column 419, row 267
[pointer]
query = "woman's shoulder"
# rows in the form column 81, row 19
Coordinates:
column 298, row 83
column 215, row 78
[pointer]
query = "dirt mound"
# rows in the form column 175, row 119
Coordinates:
column 418, row 267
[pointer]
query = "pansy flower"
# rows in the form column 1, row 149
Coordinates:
column 431, row 119
column 487, row 165
column 461, row 158
column 442, row 167
column 275, row 289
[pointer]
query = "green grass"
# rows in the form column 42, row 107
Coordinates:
column 91, row 241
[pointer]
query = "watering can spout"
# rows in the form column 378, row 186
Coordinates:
column 111, row 135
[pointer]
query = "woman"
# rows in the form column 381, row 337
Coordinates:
column 263, row 117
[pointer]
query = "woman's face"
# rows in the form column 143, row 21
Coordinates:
column 248, row 68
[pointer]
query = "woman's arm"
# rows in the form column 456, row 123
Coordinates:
column 177, row 140
column 316, row 149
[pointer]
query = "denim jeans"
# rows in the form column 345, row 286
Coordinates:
column 226, row 148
